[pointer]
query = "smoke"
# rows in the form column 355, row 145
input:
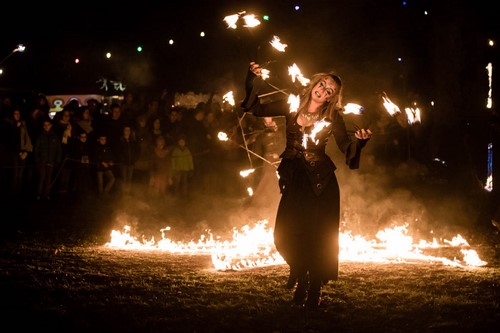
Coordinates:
column 382, row 195
column 139, row 74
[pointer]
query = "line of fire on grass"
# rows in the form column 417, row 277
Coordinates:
column 252, row 247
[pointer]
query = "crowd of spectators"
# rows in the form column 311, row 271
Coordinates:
column 87, row 151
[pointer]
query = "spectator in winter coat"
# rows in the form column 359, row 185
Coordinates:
column 47, row 152
column 103, row 160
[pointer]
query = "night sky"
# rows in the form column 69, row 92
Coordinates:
column 360, row 40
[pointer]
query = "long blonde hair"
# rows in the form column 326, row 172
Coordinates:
column 329, row 109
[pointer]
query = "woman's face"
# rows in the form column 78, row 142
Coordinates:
column 324, row 90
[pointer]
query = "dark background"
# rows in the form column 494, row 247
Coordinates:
column 361, row 40
column 433, row 53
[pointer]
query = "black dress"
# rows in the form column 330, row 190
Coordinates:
column 306, row 230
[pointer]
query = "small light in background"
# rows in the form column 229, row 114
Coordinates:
column 171, row 42
column 108, row 55
column 77, row 61
column 202, row 34
column 297, row 7
column 139, row 48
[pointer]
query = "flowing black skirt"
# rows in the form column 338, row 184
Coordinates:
column 306, row 232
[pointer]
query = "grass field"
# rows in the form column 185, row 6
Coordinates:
column 57, row 274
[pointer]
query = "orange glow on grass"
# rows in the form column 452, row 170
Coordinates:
column 252, row 247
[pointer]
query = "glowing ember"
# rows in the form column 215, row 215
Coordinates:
column 254, row 247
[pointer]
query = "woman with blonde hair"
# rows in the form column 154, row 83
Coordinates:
column 306, row 232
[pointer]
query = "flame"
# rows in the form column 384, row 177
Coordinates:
column 246, row 173
column 231, row 20
column 19, row 48
column 249, row 19
column 395, row 245
column 294, row 72
column 250, row 191
column 276, row 43
column 489, row 101
column 254, row 247
column 390, row 106
column 264, row 73
column 353, row 108
column 413, row 115
column 229, row 98
column 222, row 136
column 318, row 126
column 294, row 101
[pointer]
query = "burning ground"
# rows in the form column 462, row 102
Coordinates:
column 60, row 273
column 91, row 288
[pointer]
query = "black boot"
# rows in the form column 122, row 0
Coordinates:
column 292, row 278
column 314, row 294
column 300, row 294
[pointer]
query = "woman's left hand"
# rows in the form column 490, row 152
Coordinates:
column 363, row 134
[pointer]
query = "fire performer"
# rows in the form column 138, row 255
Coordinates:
column 306, row 230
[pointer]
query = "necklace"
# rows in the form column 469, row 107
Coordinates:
column 309, row 117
